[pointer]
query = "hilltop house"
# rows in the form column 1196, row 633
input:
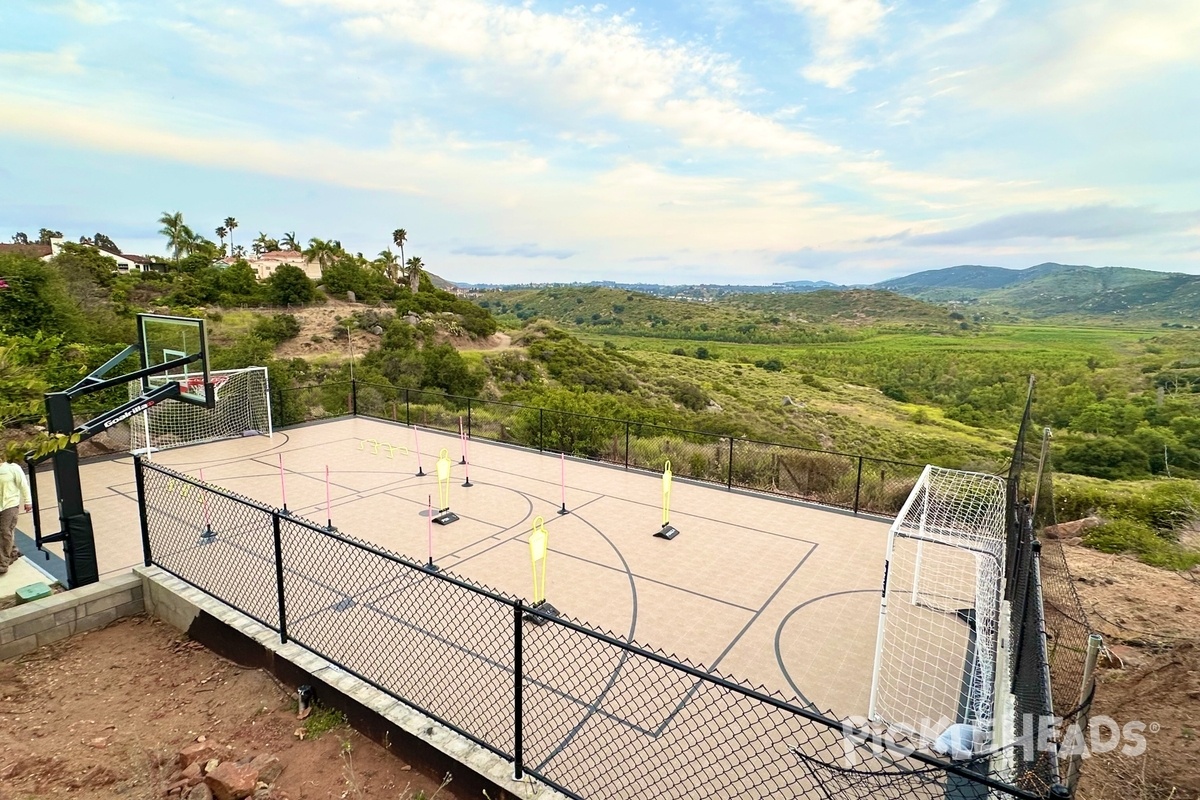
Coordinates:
column 125, row 262
column 264, row 266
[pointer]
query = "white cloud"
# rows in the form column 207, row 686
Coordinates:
column 1083, row 50
column 579, row 63
column 838, row 28
column 64, row 61
column 92, row 12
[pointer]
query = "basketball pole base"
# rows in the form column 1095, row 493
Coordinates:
column 668, row 532
column 445, row 517
column 544, row 610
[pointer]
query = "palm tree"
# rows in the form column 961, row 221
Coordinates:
column 322, row 252
column 179, row 236
column 230, row 224
column 399, row 237
column 391, row 267
column 221, row 232
column 260, row 244
column 289, row 241
column 413, row 268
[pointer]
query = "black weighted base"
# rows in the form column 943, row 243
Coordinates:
column 420, row 472
column 467, row 484
column 445, row 517
column 563, row 510
column 667, row 532
column 545, row 609
column 208, row 535
column 431, row 567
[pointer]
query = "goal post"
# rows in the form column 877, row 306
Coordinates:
column 941, row 657
column 243, row 408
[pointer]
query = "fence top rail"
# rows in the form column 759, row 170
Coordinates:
column 141, row 463
column 631, row 422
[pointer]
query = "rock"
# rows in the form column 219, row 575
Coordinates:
column 200, row 751
column 350, row 298
column 788, row 401
column 200, row 792
column 1074, row 540
column 1069, row 530
column 193, row 773
column 99, row 743
column 232, row 782
column 377, row 330
column 268, row 766
column 210, row 765
column 1120, row 656
column 411, row 319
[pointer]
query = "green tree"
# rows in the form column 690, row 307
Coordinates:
column 1105, row 457
column 230, row 224
column 388, row 264
column 321, row 252
column 222, row 232
column 445, row 369
column 45, row 235
column 179, row 236
column 399, row 237
column 239, row 283
column 20, row 237
column 412, row 270
column 290, row 286
column 289, row 241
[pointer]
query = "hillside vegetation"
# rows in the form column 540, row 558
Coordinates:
column 868, row 372
column 1062, row 290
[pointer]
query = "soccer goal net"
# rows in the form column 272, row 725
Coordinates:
column 243, row 408
column 941, row 659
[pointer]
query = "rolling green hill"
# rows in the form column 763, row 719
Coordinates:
column 1062, row 290
column 821, row 316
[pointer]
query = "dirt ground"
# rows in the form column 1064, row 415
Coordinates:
column 1150, row 620
column 95, row 716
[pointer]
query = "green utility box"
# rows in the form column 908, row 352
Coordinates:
column 34, row 591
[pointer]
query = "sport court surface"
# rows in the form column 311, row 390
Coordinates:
column 761, row 589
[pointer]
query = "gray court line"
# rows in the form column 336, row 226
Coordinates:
column 594, row 708
column 417, row 628
column 510, row 538
column 712, row 667
column 779, row 635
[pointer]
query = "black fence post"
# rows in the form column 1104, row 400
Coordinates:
column 354, row 397
column 518, row 681
column 275, row 523
column 626, row 444
column 729, row 476
column 541, row 427
column 468, row 418
column 858, row 484
column 140, row 480
column 407, row 415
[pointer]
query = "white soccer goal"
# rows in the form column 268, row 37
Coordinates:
column 243, row 409
column 941, row 657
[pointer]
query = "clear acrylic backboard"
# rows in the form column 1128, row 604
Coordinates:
column 164, row 339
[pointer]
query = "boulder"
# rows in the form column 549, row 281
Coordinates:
column 1069, row 530
column 788, row 401
column 193, row 753
column 230, row 781
column 268, row 766
column 199, row 792
column 350, row 298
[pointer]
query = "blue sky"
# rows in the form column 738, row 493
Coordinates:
column 719, row 141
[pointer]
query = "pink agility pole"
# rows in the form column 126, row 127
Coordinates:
column 328, row 509
column 462, row 441
column 417, row 447
column 208, row 531
column 282, row 484
column 562, row 481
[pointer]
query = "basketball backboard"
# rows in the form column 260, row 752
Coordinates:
column 163, row 339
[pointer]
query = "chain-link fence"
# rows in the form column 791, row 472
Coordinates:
column 592, row 714
column 857, row 483
column 1049, row 630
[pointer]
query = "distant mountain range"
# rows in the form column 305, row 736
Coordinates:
column 1060, row 290
column 1045, row 290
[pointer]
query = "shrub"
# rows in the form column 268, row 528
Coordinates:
column 702, row 353
column 895, row 393
column 1130, row 536
column 277, row 328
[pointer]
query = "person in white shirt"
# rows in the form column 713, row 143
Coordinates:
column 14, row 493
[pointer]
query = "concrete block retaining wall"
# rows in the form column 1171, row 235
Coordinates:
column 25, row 628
